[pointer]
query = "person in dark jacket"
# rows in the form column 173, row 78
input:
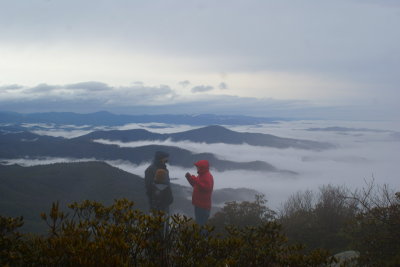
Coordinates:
column 159, row 163
column 203, row 185
column 161, row 191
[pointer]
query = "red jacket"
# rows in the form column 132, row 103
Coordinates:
column 202, row 185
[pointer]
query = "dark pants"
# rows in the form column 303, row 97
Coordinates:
column 166, row 223
column 201, row 215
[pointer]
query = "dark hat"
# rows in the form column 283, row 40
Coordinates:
column 160, row 155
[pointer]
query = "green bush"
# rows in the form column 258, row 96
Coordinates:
column 242, row 214
column 319, row 220
column 119, row 235
column 11, row 243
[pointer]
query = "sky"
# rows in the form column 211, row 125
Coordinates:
column 300, row 59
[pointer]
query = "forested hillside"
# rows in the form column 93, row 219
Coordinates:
column 28, row 191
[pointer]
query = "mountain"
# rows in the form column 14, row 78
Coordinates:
column 109, row 119
column 29, row 145
column 346, row 129
column 29, row 191
column 209, row 134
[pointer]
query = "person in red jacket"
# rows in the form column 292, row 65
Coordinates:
column 203, row 185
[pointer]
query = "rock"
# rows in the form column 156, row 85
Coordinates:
column 349, row 258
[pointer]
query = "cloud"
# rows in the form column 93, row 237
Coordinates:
column 202, row 88
column 223, row 86
column 89, row 86
column 70, row 41
column 10, row 87
column 142, row 95
column 184, row 83
column 62, row 133
column 356, row 159
column 143, row 99
column 88, row 96
column 42, row 161
column 42, row 88
column 284, row 36
column 388, row 3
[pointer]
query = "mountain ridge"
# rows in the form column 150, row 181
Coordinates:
column 107, row 118
column 208, row 134
column 31, row 146
column 29, row 191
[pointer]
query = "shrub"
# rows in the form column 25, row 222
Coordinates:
column 119, row 235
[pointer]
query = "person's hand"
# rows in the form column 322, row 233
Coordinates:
column 187, row 175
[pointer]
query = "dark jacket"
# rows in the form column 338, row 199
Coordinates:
column 149, row 175
column 203, row 185
column 161, row 196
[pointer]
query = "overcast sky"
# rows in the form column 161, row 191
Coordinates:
column 309, row 58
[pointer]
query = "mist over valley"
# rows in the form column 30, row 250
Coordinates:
column 315, row 153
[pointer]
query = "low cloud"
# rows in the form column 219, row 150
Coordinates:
column 356, row 159
column 62, row 133
column 202, row 88
column 43, row 161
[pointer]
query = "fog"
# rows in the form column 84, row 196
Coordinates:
column 359, row 155
column 71, row 131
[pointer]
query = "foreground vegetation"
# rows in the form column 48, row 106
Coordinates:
column 118, row 235
column 367, row 220
column 309, row 227
column 335, row 219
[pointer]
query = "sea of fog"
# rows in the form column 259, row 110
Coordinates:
column 364, row 151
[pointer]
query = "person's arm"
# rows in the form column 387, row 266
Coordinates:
column 190, row 178
column 167, row 179
column 203, row 184
column 148, row 181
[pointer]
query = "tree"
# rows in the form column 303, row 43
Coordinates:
column 10, row 241
column 318, row 221
column 376, row 230
column 242, row 214
column 119, row 235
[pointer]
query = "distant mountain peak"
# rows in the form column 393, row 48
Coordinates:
column 102, row 112
column 213, row 128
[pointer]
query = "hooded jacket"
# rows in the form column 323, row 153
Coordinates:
column 202, row 184
column 150, row 173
